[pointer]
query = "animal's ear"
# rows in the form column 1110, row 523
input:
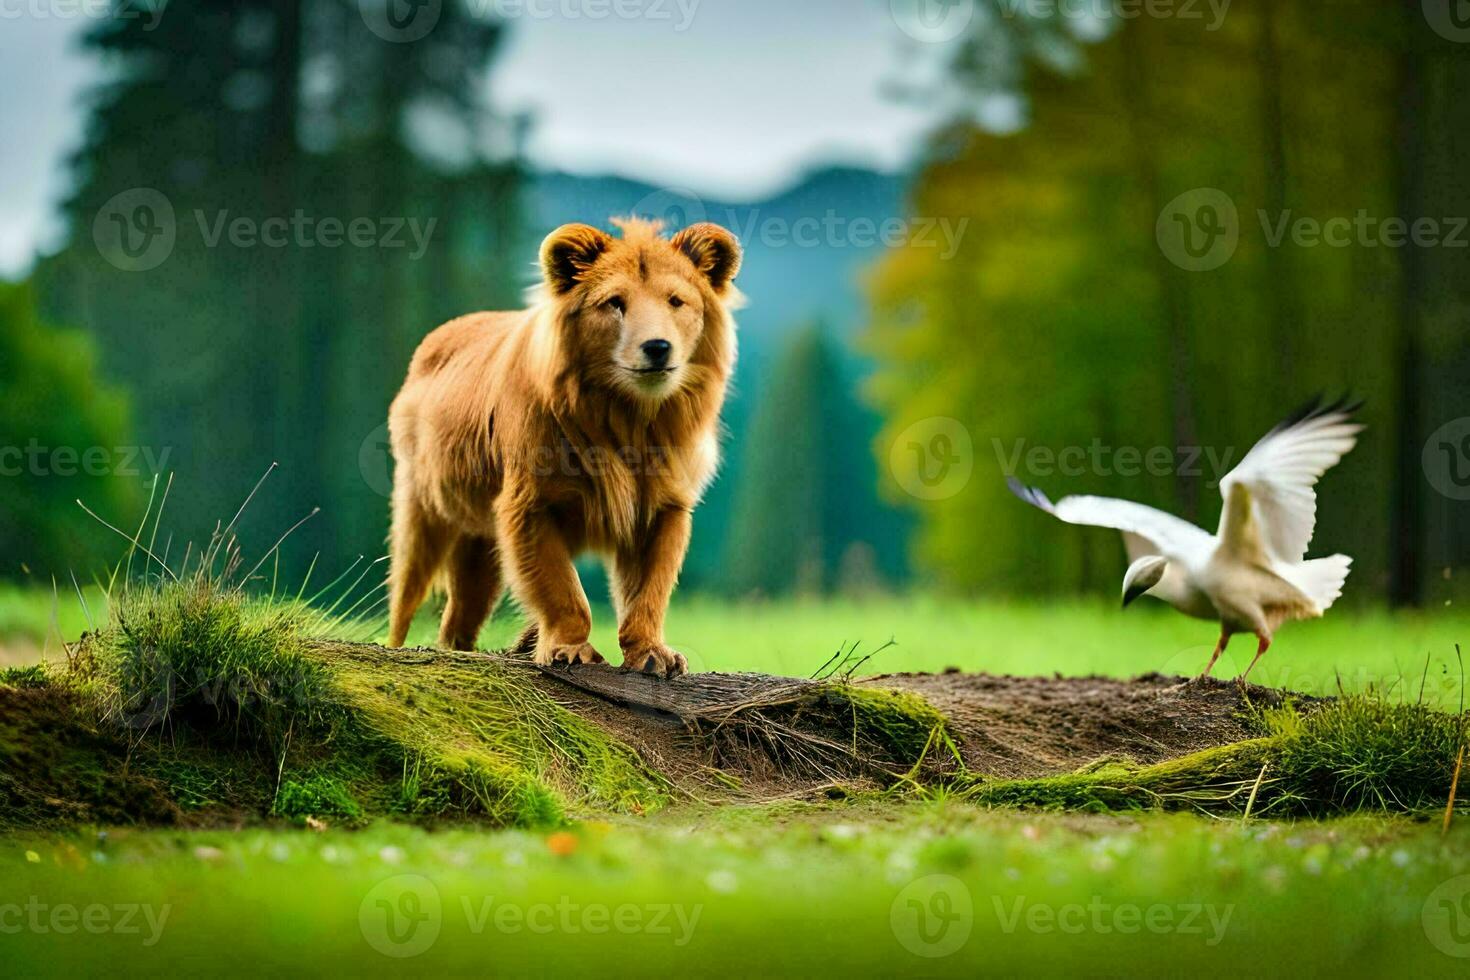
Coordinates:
column 713, row 250
column 570, row 251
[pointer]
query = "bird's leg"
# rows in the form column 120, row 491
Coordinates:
column 1261, row 648
column 1219, row 649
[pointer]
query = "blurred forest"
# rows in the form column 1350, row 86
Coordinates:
column 238, row 356
column 1061, row 321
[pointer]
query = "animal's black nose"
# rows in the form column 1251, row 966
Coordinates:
column 657, row 352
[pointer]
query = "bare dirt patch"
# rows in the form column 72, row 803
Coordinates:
column 1023, row 727
column 1005, row 727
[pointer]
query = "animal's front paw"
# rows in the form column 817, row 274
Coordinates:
column 568, row 653
column 654, row 658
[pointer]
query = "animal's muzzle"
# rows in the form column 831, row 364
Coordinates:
column 656, row 353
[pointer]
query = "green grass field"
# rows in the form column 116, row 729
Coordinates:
column 883, row 885
column 1356, row 649
column 928, row 889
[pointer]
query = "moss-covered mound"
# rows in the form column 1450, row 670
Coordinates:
column 197, row 702
column 1356, row 753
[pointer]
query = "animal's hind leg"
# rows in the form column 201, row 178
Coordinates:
column 1219, row 649
column 474, row 586
column 1264, row 645
column 417, row 547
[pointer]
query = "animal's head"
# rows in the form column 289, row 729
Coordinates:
column 1143, row 575
column 642, row 314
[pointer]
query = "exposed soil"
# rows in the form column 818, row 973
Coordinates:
column 1008, row 727
column 57, row 767
column 1022, row 727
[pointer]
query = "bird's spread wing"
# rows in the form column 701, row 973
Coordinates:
column 1170, row 536
column 1270, row 504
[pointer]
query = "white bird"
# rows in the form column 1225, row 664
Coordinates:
column 1252, row 574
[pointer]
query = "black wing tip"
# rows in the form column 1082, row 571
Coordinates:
column 1319, row 407
column 1031, row 495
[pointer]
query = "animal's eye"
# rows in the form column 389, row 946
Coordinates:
column 618, row 303
column 675, row 302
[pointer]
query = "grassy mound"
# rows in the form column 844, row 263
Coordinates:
column 199, row 704
column 1356, row 753
column 232, row 708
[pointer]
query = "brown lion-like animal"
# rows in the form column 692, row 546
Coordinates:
column 587, row 422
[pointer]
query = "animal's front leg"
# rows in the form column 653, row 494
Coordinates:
column 545, row 581
column 644, row 574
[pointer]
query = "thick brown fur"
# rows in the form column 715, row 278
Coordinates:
column 523, row 439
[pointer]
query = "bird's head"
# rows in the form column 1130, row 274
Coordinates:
column 1142, row 575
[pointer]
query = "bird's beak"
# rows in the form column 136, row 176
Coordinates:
column 1132, row 594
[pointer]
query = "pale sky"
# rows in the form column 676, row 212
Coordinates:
column 730, row 98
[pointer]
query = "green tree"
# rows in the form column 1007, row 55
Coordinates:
column 64, row 436
column 805, row 516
